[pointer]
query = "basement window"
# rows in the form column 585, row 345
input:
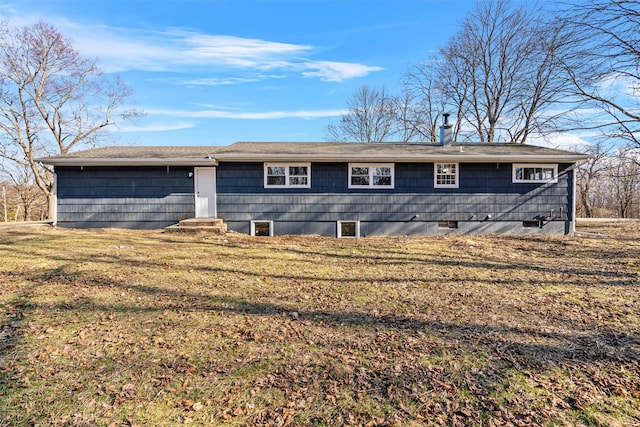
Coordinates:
column 532, row 223
column 291, row 175
column 535, row 173
column 262, row 228
column 350, row 229
column 447, row 224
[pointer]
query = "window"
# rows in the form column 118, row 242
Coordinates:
column 533, row 223
column 535, row 173
column 447, row 224
column 262, row 228
column 296, row 175
column 348, row 229
column 445, row 175
column 375, row 175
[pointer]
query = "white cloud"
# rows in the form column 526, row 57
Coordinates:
column 156, row 127
column 336, row 71
column 562, row 141
column 213, row 81
column 246, row 115
column 237, row 51
column 224, row 81
column 180, row 50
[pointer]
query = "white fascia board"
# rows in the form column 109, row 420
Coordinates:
column 130, row 162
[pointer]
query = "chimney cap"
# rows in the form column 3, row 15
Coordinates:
column 446, row 118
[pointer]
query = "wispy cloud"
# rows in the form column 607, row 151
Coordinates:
column 222, row 81
column 179, row 50
column 562, row 140
column 236, row 51
column 246, row 115
column 156, row 127
column 336, row 71
column 182, row 50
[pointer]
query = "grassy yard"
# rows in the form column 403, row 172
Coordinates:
column 113, row 327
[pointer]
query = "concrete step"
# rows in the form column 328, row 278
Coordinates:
column 201, row 222
column 217, row 229
column 199, row 225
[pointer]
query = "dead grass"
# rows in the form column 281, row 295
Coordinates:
column 113, row 327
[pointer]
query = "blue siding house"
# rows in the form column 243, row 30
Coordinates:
column 330, row 189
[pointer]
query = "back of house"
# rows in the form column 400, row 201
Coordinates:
column 331, row 188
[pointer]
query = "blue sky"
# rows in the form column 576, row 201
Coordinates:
column 218, row 71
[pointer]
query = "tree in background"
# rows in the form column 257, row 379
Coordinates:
column 501, row 77
column 371, row 117
column 422, row 85
column 51, row 99
column 625, row 183
column 609, row 57
column 503, row 72
column 374, row 115
column 587, row 175
column 604, row 70
column 27, row 201
column 410, row 119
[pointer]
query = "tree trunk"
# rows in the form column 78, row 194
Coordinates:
column 584, row 200
column 51, row 206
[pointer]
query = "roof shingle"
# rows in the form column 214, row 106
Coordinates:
column 313, row 151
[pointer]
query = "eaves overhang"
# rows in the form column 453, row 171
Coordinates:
column 430, row 158
column 129, row 161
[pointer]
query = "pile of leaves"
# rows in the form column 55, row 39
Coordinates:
column 120, row 327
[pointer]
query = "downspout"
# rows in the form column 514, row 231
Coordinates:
column 215, row 192
column 573, row 199
column 53, row 207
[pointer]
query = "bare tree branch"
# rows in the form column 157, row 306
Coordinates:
column 51, row 98
column 608, row 32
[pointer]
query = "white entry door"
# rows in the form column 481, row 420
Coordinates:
column 205, row 186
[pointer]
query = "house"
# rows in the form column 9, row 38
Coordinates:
column 330, row 189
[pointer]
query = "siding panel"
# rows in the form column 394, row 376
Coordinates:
column 130, row 197
column 153, row 197
column 486, row 197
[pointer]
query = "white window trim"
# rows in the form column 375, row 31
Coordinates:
column 517, row 166
column 435, row 175
column 253, row 227
column 340, row 236
column 286, row 167
column 371, row 166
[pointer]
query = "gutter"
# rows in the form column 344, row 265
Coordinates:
column 403, row 159
column 178, row 161
column 264, row 157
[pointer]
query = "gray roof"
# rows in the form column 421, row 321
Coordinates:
column 313, row 151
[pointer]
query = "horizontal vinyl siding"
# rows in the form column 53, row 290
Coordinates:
column 485, row 190
column 129, row 197
column 329, row 207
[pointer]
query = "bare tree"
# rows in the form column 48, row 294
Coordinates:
column 625, row 184
column 501, row 71
column 371, row 117
column 591, row 170
column 609, row 57
column 428, row 94
column 51, row 98
column 409, row 118
column 31, row 203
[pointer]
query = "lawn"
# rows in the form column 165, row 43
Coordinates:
column 116, row 327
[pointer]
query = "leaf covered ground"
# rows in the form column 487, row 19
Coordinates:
column 122, row 328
